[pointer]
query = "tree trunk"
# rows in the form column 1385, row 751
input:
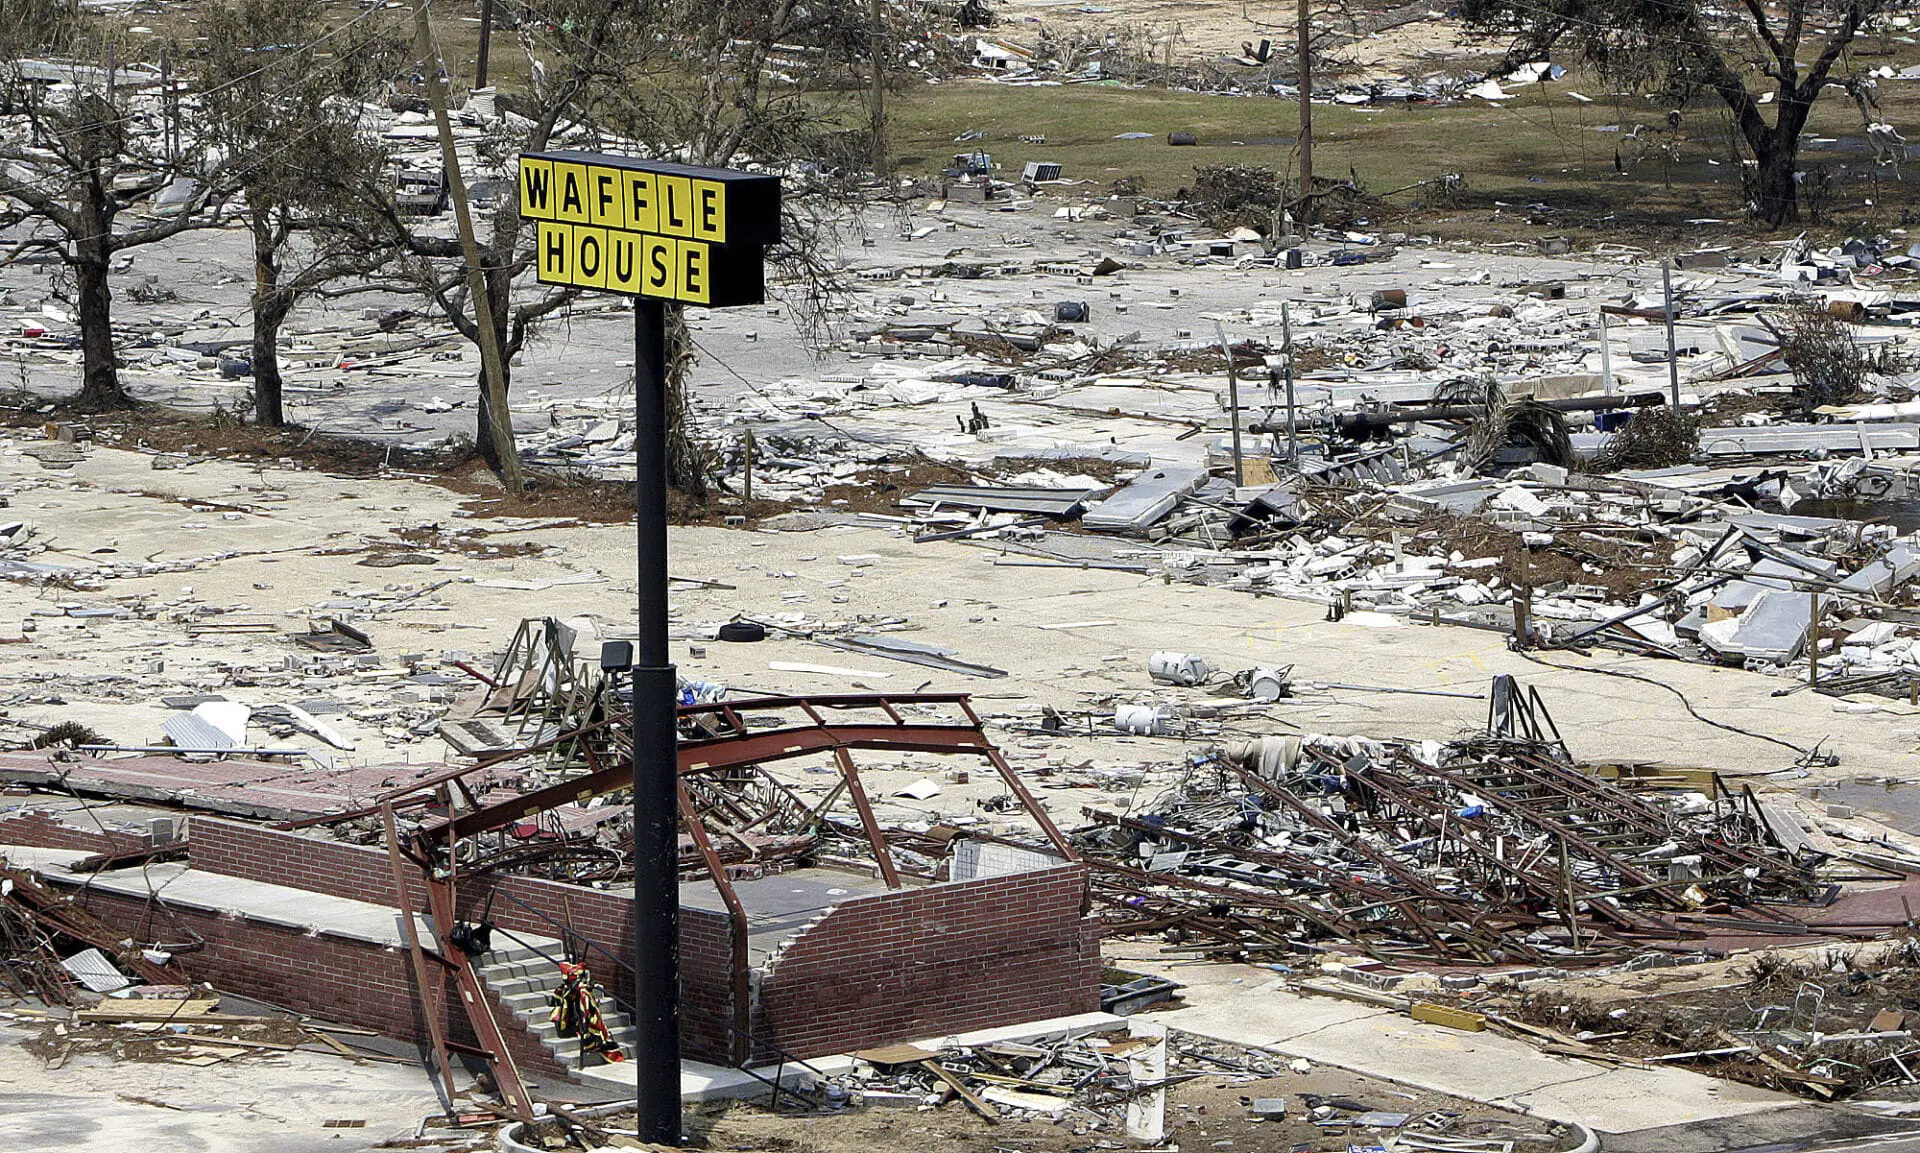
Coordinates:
column 688, row 461
column 1776, row 192
column 269, row 311
column 483, row 429
column 1775, row 147
column 482, row 426
column 100, row 377
column 500, row 296
column 268, row 394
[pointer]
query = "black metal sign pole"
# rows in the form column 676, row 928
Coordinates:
column 656, row 834
column 655, row 231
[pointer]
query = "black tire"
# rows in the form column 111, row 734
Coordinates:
column 743, row 632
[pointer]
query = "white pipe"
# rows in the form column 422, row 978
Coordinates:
column 1606, row 356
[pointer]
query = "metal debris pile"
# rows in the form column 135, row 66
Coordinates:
column 1673, row 563
column 55, row 952
column 1118, row 1082
column 1087, row 1082
column 1493, row 850
column 1828, row 1022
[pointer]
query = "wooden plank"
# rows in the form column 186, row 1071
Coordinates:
column 143, row 1009
column 896, row 1055
column 1331, row 988
column 343, row 1030
column 965, row 1094
column 339, row 1048
column 1449, row 1018
column 426, row 988
column 230, row 1042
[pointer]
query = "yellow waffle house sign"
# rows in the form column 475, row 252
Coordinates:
column 649, row 228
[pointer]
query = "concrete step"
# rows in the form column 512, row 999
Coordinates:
column 622, row 1029
column 534, row 1009
column 508, row 951
column 509, row 970
column 524, row 1003
column 515, row 986
column 616, row 1023
column 568, row 1050
column 524, row 981
column 524, row 998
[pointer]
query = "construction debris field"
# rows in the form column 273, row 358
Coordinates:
column 1212, row 1105
column 1154, row 671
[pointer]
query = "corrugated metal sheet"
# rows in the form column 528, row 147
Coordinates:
column 92, row 969
column 1055, row 502
column 191, row 732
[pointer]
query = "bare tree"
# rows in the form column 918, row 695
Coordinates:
column 1691, row 46
column 86, row 170
column 778, row 84
column 283, row 95
column 593, row 47
column 770, row 84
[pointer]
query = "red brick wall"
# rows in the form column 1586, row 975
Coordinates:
column 298, row 862
column 924, row 962
column 877, row 969
column 522, row 904
column 540, row 908
column 706, row 984
column 43, row 830
column 353, row 982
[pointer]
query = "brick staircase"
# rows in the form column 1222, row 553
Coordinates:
column 517, row 973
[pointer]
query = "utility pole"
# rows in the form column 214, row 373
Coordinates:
column 1606, row 357
column 1306, row 109
column 1286, row 335
column 1233, row 402
column 877, row 48
column 1813, row 639
column 170, row 109
column 1673, row 358
column 494, row 389
column 486, row 40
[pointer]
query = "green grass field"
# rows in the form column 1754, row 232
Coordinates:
column 1540, row 164
column 1542, row 148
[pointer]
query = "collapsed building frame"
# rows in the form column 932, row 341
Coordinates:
column 722, row 746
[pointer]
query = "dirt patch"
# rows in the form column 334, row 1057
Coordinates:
column 552, row 495
column 471, row 543
column 155, row 428
column 1205, row 1112
column 1626, row 565
column 879, row 489
column 1099, row 468
column 547, row 496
